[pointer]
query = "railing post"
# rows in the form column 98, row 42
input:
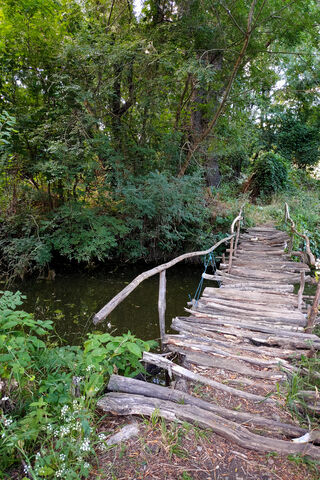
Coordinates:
column 162, row 305
column 237, row 236
column 301, row 289
column 230, row 254
column 290, row 245
column 314, row 311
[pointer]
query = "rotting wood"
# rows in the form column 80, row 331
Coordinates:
column 239, row 340
column 257, row 337
column 205, row 312
column 137, row 387
column 239, row 349
column 129, row 404
column 172, row 368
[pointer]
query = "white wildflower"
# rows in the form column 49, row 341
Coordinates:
column 102, row 437
column 86, row 465
column 65, row 430
column 85, row 447
column 3, row 399
column 89, row 368
column 7, row 421
column 62, row 457
column 49, row 427
column 64, row 410
column 60, row 473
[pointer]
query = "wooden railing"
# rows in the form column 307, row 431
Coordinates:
column 309, row 258
column 161, row 270
column 293, row 231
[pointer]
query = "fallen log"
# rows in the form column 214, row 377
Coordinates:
column 128, row 404
column 137, row 387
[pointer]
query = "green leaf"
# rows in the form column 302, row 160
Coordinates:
column 134, row 348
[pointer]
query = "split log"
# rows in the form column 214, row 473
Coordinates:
column 277, row 311
column 228, row 284
column 137, row 387
column 241, row 316
column 215, row 309
column 239, row 348
column 256, row 337
column 246, row 324
column 216, row 361
column 128, row 404
column 172, row 368
column 209, row 347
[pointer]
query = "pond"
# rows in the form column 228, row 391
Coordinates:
column 72, row 299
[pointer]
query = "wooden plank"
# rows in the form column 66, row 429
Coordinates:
column 129, row 404
column 195, row 377
column 219, row 344
column 256, row 337
column 248, row 309
column 206, row 312
column 137, row 387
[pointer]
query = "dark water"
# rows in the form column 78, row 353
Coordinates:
column 71, row 300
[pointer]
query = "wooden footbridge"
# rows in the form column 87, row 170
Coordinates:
column 238, row 345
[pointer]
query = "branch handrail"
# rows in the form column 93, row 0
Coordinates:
column 287, row 218
column 314, row 310
column 161, row 269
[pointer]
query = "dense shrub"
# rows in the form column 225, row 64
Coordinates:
column 164, row 215
column 270, row 175
column 149, row 217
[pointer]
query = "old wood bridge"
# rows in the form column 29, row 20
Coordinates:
column 239, row 343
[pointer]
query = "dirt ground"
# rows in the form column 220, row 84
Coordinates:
column 169, row 451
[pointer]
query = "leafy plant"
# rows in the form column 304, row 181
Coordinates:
column 48, row 393
column 270, row 175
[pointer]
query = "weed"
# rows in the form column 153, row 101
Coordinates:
column 186, row 476
column 313, row 465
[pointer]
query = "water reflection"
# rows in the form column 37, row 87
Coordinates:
column 72, row 299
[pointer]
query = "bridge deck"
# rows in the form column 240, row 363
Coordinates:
column 238, row 345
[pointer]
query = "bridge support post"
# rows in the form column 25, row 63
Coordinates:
column 162, row 305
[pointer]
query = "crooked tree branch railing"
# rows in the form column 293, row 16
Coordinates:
column 288, row 219
column 311, row 260
column 161, row 269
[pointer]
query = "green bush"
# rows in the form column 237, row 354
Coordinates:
column 149, row 217
column 48, row 393
column 164, row 215
column 270, row 174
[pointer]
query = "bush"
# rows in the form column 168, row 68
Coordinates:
column 149, row 217
column 164, row 215
column 270, row 175
column 48, row 393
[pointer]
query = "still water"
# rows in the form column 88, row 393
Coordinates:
column 72, row 299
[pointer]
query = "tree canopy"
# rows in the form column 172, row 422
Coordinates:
column 103, row 105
